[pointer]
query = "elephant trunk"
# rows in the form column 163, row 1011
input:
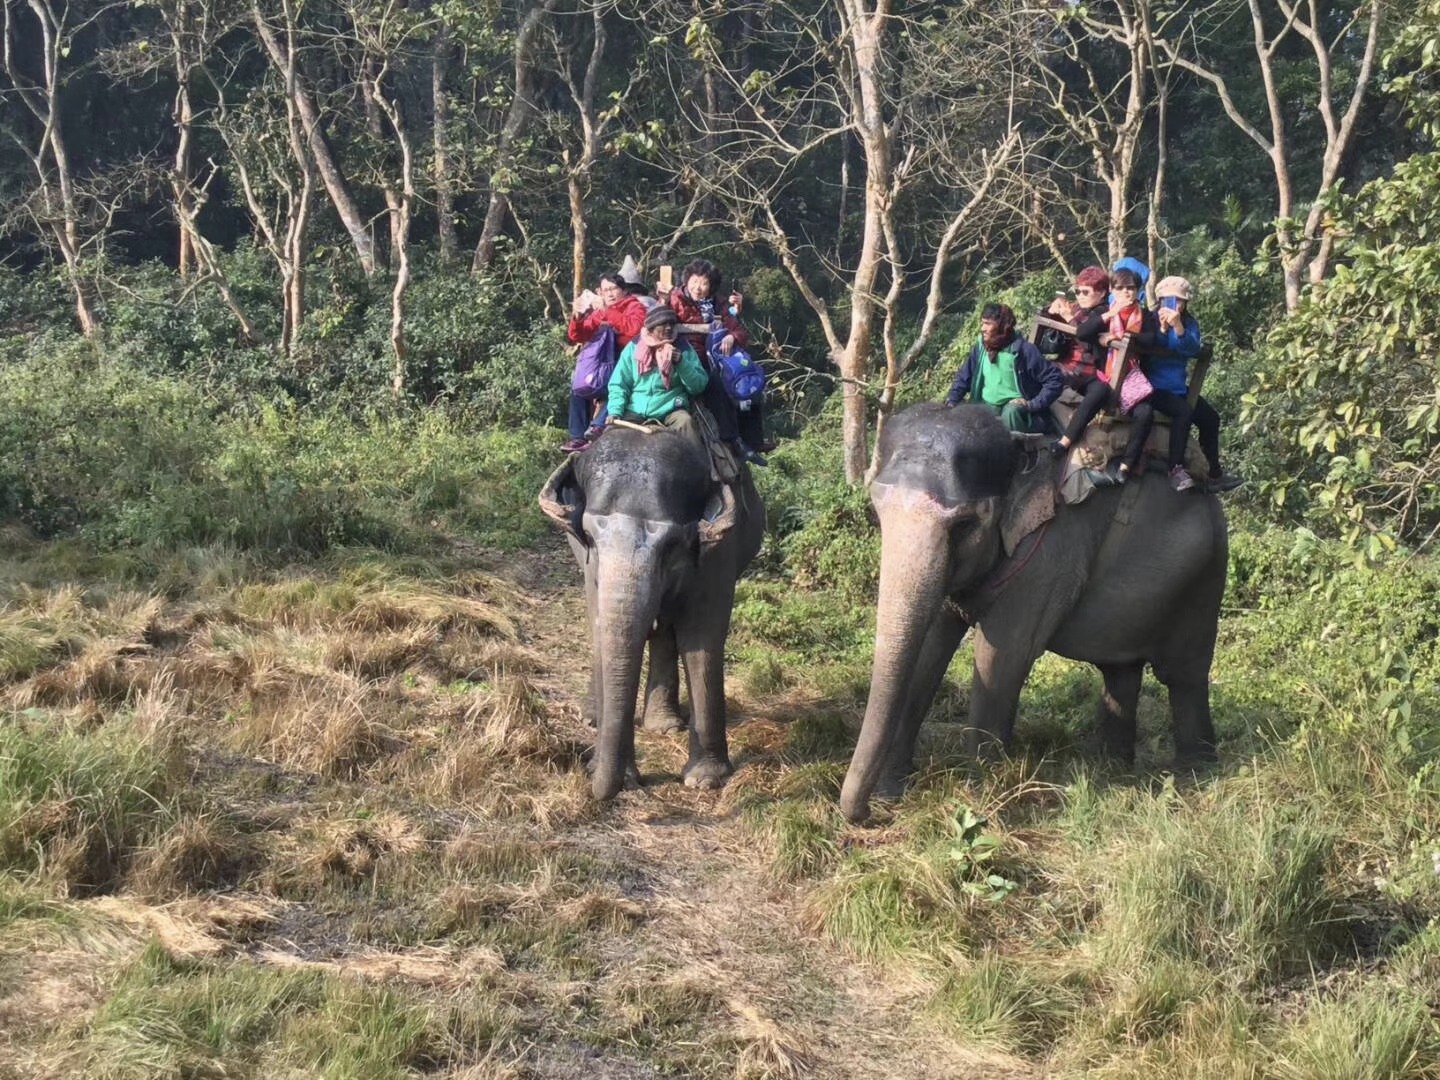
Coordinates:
column 914, row 569
column 628, row 600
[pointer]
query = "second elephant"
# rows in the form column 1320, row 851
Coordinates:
column 1130, row 576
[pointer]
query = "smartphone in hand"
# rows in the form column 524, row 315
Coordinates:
column 1170, row 302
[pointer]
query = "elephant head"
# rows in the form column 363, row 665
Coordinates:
column 640, row 511
column 950, row 488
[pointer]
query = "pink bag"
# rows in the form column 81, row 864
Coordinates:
column 1134, row 388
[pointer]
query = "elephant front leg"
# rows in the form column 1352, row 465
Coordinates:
column 704, row 652
column 1001, row 668
column 662, row 682
column 1117, row 709
column 592, row 706
column 941, row 641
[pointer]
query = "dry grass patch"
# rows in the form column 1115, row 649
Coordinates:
column 73, row 650
column 354, row 849
column 325, row 726
column 769, row 1050
column 370, row 600
column 377, row 655
column 204, row 852
column 474, row 656
column 506, row 754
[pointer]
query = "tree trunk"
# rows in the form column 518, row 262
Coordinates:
column 180, row 182
column 43, row 102
column 521, row 108
column 867, row 33
column 579, row 233
column 330, row 173
column 368, row 91
column 444, row 193
column 400, row 229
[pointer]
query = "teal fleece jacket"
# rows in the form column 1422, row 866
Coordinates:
column 645, row 395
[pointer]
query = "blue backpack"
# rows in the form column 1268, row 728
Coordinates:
column 594, row 364
column 742, row 377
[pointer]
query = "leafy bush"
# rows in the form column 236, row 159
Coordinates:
column 1348, row 386
column 136, row 459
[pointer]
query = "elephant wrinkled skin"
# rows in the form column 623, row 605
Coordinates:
column 661, row 546
column 1131, row 576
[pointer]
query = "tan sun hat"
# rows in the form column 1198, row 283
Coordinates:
column 1177, row 287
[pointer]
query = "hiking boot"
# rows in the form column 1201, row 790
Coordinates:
column 1181, row 480
column 574, row 446
column 750, row 455
column 1220, row 480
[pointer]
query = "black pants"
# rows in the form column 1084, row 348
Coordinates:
column 1203, row 416
column 1097, row 393
column 730, row 422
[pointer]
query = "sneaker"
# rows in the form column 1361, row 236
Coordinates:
column 1056, row 447
column 593, row 433
column 1181, row 480
column 1220, row 480
column 574, row 446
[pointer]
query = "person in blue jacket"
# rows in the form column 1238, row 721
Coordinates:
column 1008, row 374
column 1169, row 341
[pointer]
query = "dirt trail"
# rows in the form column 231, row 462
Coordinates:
column 713, row 915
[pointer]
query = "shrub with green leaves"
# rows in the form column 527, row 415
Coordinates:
column 1348, row 387
column 135, row 459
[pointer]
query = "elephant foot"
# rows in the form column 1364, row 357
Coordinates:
column 1120, row 752
column 707, row 774
column 663, row 717
column 629, row 780
column 891, row 785
column 985, row 746
column 1199, row 759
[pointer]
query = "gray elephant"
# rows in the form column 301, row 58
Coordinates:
column 661, row 545
column 1132, row 575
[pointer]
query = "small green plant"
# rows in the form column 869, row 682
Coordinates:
column 971, row 848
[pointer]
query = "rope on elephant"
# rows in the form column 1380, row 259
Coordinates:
column 1015, row 563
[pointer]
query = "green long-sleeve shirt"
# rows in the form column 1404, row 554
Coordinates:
column 646, row 395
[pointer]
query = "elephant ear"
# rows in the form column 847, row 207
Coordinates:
column 563, row 499
column 1031, row 501
column 718, row 517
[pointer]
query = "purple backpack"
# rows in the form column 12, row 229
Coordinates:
column 594, row 363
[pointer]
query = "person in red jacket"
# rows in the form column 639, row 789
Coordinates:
column 609, row 305
column 695, row 302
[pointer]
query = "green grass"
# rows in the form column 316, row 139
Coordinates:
column 77, row 805
column 168, row 1018
column 1377, row 1032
